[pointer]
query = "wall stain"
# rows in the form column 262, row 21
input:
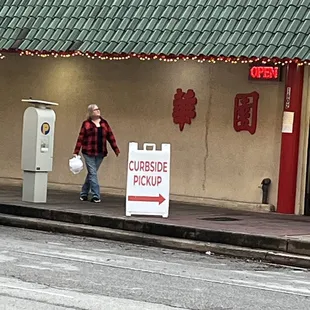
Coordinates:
column 207, row 124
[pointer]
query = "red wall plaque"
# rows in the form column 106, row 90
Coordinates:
column 245, row 112
column 184, row 107
column 264, row 72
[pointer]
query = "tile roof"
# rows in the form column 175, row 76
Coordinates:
column 252, row 28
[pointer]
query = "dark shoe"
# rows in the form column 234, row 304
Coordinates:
column 83, row 198
column 96, row 200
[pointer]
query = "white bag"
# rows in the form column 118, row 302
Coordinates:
column 76, row 164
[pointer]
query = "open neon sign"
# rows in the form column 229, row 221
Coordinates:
column 265, row 72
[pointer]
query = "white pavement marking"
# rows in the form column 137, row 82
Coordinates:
column 54, row 298
column 56, row 243
column 21, row 288
column 307, row 283
column 65, row 267
column 6, row 258
column 34, row 267
column 272, row 287
column 253, row 274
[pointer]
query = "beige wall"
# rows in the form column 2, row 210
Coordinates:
column 209, row 159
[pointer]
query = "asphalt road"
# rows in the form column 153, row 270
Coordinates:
column 48, row 271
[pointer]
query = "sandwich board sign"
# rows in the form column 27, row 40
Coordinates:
column 148, row 180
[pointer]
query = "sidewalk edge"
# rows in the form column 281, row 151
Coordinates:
column 157, row 241
column 152, row 228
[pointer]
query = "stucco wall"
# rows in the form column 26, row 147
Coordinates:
column 209, row 159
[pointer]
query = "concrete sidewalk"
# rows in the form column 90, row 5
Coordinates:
column 198, row 227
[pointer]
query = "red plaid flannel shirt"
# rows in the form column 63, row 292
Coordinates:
column 88, row 138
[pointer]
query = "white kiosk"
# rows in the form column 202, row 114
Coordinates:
column 37, row 149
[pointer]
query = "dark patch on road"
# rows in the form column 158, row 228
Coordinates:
column 220, row 219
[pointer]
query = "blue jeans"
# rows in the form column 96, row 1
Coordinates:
column 91, row 182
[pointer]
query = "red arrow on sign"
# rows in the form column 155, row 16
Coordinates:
column 160, row 199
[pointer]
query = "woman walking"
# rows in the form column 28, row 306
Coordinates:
column 94, row 133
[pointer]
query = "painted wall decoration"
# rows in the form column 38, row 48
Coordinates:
column 245, row 112
column 184, row 107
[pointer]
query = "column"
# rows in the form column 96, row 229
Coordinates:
column 290, row 140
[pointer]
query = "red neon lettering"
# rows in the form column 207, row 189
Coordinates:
column 264, row 72
column 275, row 72
column 267, row 74
column 253, row 72
column 260, row 71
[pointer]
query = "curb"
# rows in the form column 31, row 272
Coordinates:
column 159, row 229
column 156, row 241
column 288, row 245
